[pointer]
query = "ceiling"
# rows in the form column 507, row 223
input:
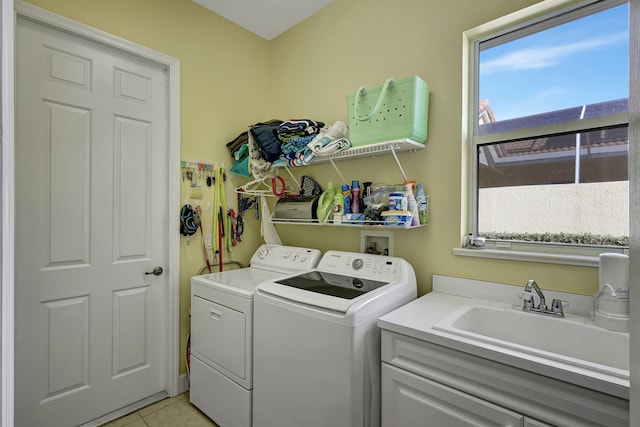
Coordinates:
column 266, row 18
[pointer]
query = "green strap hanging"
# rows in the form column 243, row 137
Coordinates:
column 376, row 107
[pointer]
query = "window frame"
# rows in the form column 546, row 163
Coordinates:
column 547, row 13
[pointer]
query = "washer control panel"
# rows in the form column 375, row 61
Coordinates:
column 285, row 258
column 367, row 266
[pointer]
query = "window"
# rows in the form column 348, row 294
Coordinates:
column 547, row 129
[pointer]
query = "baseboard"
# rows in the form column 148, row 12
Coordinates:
column 183, row 383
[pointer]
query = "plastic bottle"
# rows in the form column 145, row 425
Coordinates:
column 366, row 191
column 325, row 203
column 423, row 207
column 412, row 205
column 346, row 192
column 355, row 196
column 338, row 207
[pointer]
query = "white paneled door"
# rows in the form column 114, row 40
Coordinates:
column 91, row 220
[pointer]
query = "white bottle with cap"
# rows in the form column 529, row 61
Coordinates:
column 611, row 303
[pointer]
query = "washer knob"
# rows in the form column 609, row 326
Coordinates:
column 357, row 263
column 263, row 253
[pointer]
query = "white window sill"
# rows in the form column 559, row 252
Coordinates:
column 548, row 258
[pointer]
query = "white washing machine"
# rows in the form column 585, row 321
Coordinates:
column 316, row 342
column 221, row 378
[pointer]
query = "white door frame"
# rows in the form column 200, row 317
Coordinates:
column 6, row 203
column 172, row 67
column 634, row 204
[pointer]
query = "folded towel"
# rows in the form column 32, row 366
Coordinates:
column 302, row 158
column 338, row 130
column 296, row 144
column 331, row 141
column 327, row 145
column 300, row 151
column 298, row 128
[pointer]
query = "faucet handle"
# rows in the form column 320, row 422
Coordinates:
column 527, row 297
column 557, row 305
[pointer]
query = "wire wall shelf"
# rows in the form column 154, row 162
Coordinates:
column 351, row 223
column 372, row 150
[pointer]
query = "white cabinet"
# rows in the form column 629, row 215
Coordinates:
column 430, row 385
column 409, row 400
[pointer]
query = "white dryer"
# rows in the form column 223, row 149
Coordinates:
column 221, row 378
column 316, row 342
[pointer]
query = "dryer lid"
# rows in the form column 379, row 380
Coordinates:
column 241, row 282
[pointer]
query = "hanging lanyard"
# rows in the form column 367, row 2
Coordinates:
column 204, row 246
column 221, row 221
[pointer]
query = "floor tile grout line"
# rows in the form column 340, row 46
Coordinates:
column 176, row 399
column 161, row 408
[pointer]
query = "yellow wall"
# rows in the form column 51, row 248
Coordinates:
column 231, row 78
column 356, row 42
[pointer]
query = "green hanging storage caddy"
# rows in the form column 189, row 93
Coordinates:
column 398, row 109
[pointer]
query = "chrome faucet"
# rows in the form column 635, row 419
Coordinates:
column 557, row 305
column 531, row 284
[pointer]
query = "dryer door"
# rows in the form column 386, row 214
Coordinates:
column 219, row 336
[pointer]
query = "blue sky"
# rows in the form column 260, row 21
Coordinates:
column 581, row 62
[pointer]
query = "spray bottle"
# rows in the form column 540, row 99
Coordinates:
column 423, row 207
column 412, row 205
column 366, row 192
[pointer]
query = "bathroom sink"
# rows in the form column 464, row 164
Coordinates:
column 572, row 340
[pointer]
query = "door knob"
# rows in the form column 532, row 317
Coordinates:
column 156, row 271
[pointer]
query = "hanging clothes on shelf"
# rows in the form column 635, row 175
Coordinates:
column 263, row 171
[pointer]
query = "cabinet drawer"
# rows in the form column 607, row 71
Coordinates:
column 411, row 401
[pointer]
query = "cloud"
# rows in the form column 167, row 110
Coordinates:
column 538, row 102
column 539, row 57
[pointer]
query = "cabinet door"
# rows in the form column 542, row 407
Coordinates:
column 530, row 422
column 412, row 401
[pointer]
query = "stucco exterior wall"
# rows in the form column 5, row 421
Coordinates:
column 599, row 208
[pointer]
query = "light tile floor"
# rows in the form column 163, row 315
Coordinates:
column 171, row 412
